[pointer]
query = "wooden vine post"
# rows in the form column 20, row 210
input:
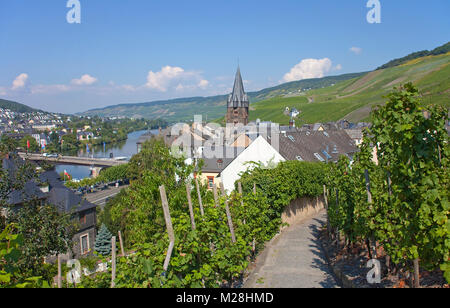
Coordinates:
column 369, row 201
column 242, row 198
column 227, row 209
column 389, row 182
column 113, row 261
column 122, row 251
column 59, row 279
column 240, row 192
column 216, row 198
column 325, row 198
column 254, row 188
column 169, row 227
column 191, row 210
column 199, row 197
column 416, row 273
column 337, row 228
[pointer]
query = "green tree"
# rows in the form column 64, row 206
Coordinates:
column 34, row 146
column 45, row 232
column 8, row 144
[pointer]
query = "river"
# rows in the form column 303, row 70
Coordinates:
column 126, row 149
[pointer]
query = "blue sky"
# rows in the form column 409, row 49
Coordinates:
column 144, row 50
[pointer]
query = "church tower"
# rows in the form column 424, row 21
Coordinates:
column 238, row 104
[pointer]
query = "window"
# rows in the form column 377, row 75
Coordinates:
column 210, row 182
column 317, row 155
column 84, row 244
column 82, row 219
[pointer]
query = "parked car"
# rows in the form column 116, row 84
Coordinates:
column 53, row 155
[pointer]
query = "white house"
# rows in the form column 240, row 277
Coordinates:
column 259, row 151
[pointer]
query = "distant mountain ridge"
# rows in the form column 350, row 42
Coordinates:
column 416, row 55
column 183, row 109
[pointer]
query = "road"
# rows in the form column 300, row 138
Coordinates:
column 100, row 198
column 294, row 259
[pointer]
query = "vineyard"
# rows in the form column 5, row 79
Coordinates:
column 176, row 233
column 400, row 204
column 201, row 239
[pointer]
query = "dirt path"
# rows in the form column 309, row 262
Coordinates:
column 294, row 259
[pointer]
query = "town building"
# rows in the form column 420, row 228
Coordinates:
column 49, row 189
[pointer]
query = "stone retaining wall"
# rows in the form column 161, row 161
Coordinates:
column 302, row 208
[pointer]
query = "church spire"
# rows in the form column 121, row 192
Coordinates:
column 238, row 104
column 238, row 98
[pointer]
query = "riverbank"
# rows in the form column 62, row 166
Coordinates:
column 127, row 149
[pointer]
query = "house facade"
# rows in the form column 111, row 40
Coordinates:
column 259, row 151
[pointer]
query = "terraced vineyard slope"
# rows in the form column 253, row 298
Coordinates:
column 354, row 99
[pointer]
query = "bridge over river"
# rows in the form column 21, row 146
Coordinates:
column 73, row 160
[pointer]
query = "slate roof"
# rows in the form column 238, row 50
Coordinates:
column 238, row 98
column 52, row 178
column 219, row 163
column 10, row 165
column 66, row 200
column 61, row 196
column 31, row 191
column 316, row 145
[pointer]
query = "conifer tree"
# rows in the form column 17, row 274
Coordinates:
column 103, row 241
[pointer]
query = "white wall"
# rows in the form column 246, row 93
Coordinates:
column 259, row 151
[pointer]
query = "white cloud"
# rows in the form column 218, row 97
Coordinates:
column 203, row 83
column 20, row 81
column 175, row 77
column 161, row 80
column 356, row 50
column 309, row 68
column 337, row 67
column 85, row 80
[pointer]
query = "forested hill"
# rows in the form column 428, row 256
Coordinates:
column 416, row 55
column 16, row 107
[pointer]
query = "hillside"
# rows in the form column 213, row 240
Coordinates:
column 184, row 109
column 353, row 99
column 416, row 55
column 16, row 107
